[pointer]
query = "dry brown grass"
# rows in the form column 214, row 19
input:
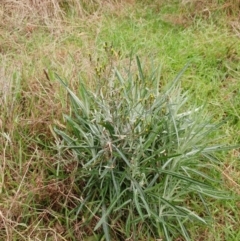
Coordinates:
column 205, row 8
column 48, row 11
column 28, row 10
column 5, row 84
column 189, row 10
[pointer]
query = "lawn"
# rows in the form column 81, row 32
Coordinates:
column 45, row 45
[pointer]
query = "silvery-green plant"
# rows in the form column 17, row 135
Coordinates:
column 143, row 151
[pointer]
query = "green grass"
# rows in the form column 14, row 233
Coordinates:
column 140, row 154
column 37, row 195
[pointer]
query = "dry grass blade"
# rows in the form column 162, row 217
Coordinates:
column 45, row 9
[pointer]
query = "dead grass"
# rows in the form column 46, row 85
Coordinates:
column 204, row 9
column 201, row 6
column 31, row 197
column 32, row 9
column 5, row 84
column 54, row 11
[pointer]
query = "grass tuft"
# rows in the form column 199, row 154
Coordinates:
column 141, row 153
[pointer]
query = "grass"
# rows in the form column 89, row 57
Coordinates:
column 36, row 194
column 146, row 151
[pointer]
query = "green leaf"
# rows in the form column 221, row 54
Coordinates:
column 108, row 126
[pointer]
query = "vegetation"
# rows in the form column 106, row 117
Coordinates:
column 57, row 151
